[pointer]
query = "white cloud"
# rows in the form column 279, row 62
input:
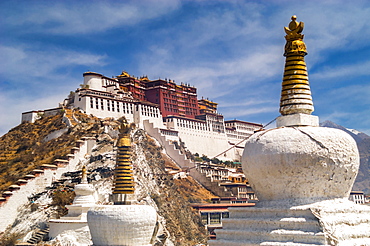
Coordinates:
column 87, row 16
column 247, row 111
column 245, row 102
column 218, row 77
column 341, row 71
column 21, row 62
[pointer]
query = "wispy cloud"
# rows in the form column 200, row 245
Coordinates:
column 342, row 71
column 245, row 102
column 74, row 17
column 22, row 62
column 248, row 111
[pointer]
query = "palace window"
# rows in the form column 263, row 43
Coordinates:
column 204, row 217
column 91, row 102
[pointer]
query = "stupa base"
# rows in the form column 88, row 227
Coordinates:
column 128, row 225
column 330, row 222
column 57, row 227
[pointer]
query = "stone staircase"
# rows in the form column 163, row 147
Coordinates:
column 185, row 163
column 206, row 181
column 69, row 115
column 170, row 148
column 39, row 235
column 269, row 226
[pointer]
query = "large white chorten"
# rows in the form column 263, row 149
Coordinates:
column 76, row 219
column 123, row 223
column 302, row 173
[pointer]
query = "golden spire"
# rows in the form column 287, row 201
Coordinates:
column 84, row 175
column 123, row 177
column 296, row 93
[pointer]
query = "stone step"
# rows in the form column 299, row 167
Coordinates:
column 38, row 236
column 264, row 224
column 295, row 236
column 278, row 213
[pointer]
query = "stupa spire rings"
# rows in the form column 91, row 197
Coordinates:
column 123, row 176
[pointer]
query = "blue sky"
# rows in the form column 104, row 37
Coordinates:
column 230, row 50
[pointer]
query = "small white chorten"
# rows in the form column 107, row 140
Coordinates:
column 122, row 223
column 76, row 219
column 301, row 173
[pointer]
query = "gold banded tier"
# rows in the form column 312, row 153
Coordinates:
column 296, row 91
column 123, row 174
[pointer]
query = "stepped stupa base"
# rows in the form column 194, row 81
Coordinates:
column 330, row 222
column 76, row 219
column 59, row 226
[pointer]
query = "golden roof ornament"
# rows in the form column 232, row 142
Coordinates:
column 144, row 78
column 296, row 93
column 124, row 74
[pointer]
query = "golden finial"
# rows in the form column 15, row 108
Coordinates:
column 294, row 26
column 84, row 175
column 294, row 37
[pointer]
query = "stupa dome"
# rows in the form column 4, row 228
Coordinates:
column 121, row 224
column 84, row 194
column 299, row 165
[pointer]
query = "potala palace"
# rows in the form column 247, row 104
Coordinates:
column 163, row 108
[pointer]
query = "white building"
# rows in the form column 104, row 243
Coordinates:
column 357, row 197
column 208, row 134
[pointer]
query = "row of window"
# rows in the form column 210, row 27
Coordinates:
column 192, row 125
column 169, row 133
column 179, row 96
column 126, row 108
column 149, row 111
column 245, row 128
column 114, row 106
column 171, row 109
column 213, row 217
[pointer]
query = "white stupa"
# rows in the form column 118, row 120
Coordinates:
column 301, row 173
column 122, row 223
column 76, row 219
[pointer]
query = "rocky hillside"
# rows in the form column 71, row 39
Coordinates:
column 28, row 146
column 170, row 194
column 362, row 182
